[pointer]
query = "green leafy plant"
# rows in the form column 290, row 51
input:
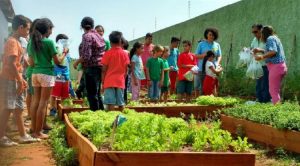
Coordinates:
column 63, row 155
column 149, row 132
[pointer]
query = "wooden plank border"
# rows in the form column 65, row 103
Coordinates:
column 287, row 139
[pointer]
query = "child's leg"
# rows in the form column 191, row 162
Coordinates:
column 180, row 90
column 34, row 107
column 151, row 90
column 134, row 91
column 119, row 98
column 28, row 103
column 19, row 121
column 166, row 96
column 41, row 111
column 157, row 90
column 4, row 120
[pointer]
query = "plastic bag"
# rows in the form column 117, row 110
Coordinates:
column 245, row 58
column 254, row 70
column 189, row 75
column 195, row 69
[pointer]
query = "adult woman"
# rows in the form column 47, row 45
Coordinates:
column 275, row 59
column 209, row 44
column 262, row 84
column 91, row 51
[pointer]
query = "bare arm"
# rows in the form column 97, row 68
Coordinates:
column 12, row 60
column 265, row 56
column 215, row 71
column 219, row 59
column 132, row 69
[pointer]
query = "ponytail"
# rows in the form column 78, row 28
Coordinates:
column 136, row 46
column 208, row 55
column 36, row 38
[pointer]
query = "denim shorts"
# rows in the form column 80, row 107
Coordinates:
column 8, row 95
column 185, row 86
column 114, row 96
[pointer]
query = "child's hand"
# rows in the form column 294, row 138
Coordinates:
column 160, row 84
column 149, row 83
column 171, row 68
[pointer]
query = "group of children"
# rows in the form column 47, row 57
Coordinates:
column 167, row 69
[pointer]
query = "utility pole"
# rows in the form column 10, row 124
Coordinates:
column 189, row 9
column 155, row 23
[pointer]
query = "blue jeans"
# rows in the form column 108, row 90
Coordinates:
column 154, row 90
column 262, row 87
column 93, row 87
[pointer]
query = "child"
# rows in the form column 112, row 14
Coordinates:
column 172, row 60
column 62, row 73
column 115, row 62
column 166, row 83
column 137, row 69
column 42, row 53
column 100, row 30
column 186, row 62
column 155, row 74
column 12, row 85
column 210, row 84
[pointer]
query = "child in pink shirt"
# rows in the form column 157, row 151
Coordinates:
column 115, row 62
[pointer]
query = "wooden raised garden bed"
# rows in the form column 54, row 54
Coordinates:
column 66, row 110
column 89, row 156
column 199, row 111
column 287, row 139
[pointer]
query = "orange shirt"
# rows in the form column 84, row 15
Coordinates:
column 12, row 48
column 116, row 60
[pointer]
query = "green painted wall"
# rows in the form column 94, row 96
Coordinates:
column 234, row 24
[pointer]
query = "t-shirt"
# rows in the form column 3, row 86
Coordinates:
column 43, row 60
column 259, row 44
column 147, row 53
column 12, row 48
column 107, row 45
column 173, row 58
column 138, row 67
column 166, row 73
column 63, row 68
column 208, row 70
column 274, row 44
column 155, row 66
column 116, row 60
column 185, row 58
column 205, row 46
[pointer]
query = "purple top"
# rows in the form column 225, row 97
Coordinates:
column 91, row 49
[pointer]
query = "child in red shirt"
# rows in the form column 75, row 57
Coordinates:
column 115, row 62
column 186, row 62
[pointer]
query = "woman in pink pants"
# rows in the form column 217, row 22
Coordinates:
column 275, row 59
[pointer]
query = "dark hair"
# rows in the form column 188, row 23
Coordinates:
column 175, row 39
column 125, row 43
column 266, row 32
column 148, row 35
column 41, row 27
column 214, row 31
column 258, row 26
column 87, row 23
column 99, row 26
column 136, row 46
column 115, row 37
column 19, row 20
column 208, row 55
column 32, row 27
column 61, row 36
column 187, row 42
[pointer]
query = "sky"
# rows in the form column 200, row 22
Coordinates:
column 134, row 18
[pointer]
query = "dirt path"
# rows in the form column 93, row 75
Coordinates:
column 37, row 154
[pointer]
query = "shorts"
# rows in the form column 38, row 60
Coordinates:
column 114, row 96
column 185, row 86
column 29, row 88
column 198, row 81
column 164, row 89
column 61, row 89
column 43, row 80
column 8, row 95
column 173, row 78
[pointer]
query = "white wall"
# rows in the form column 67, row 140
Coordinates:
column 3, row 30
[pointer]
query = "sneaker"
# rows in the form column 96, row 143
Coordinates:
column 28, row 139
column 53, row 112
column 6, row 142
